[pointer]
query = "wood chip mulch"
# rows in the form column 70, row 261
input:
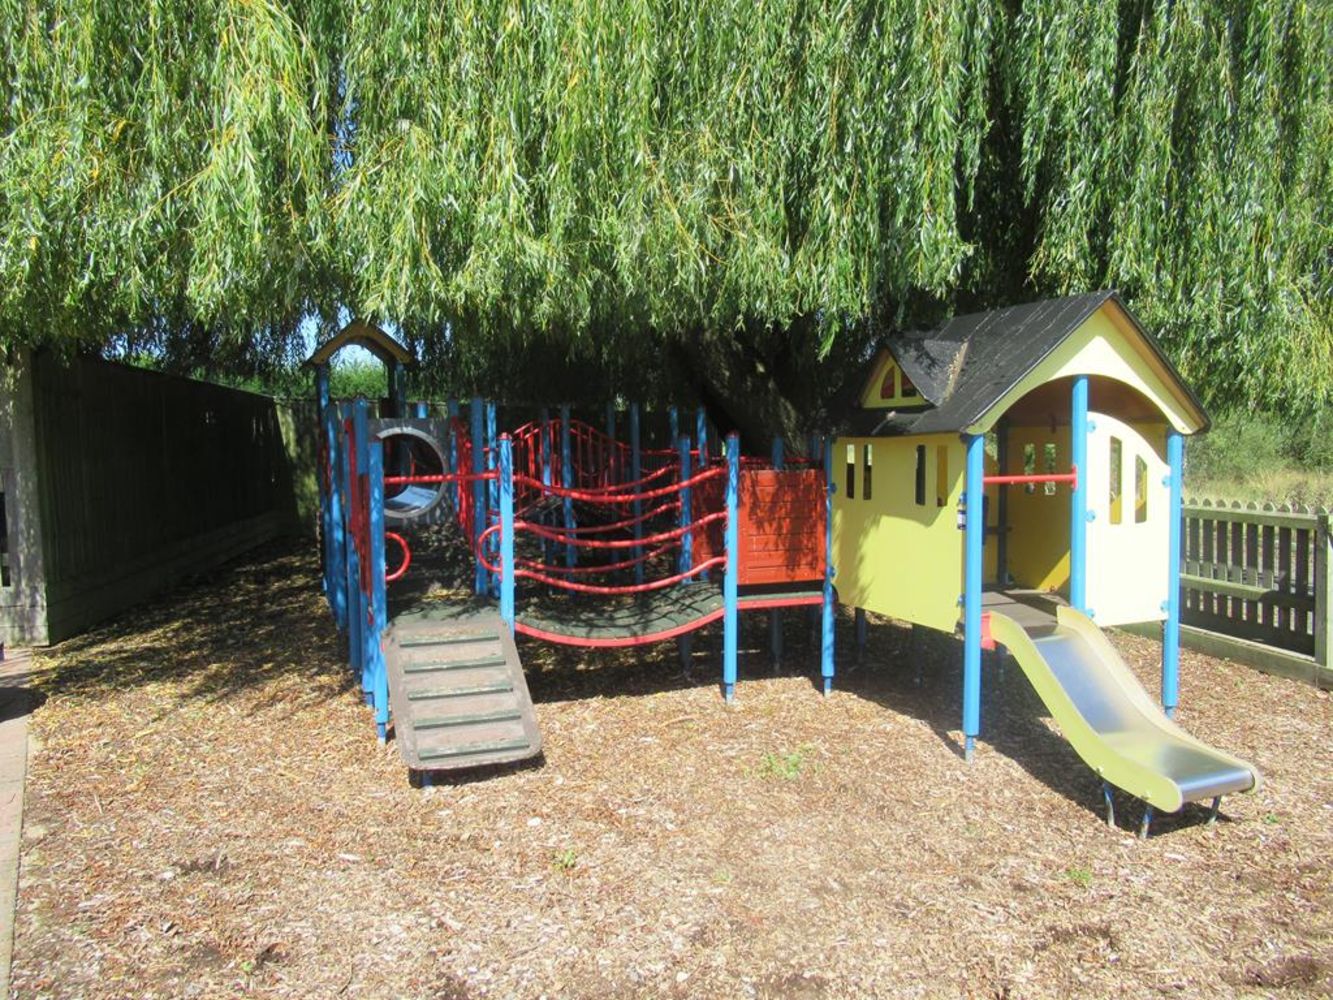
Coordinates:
column 209, row 814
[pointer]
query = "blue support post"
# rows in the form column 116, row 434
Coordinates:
column 1078, row 506
column 830, row 571
column 567, row 481
column 1175, row 457
column 421, row 410
column 378, row 616
column 492, row 488
column 635, row 474
column 351, row 569
column 685, row 643
column 973, row 537
column 507, row 532
column 731, row 573
column 775, row 616
column 544, row 418
column 673, row 423
column 477, row 417
column 860, row 632
column 360, row 483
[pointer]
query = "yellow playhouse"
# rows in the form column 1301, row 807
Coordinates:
column 1061, row 423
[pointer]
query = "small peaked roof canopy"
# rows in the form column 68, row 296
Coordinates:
column 366, row 335
column 971, row 369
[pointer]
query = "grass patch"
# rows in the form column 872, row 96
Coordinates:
column 787, row 766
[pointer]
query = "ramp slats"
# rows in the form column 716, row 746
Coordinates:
column 458, row 693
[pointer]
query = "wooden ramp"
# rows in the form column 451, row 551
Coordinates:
column 457, row 691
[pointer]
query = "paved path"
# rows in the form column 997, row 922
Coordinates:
column 13, row 768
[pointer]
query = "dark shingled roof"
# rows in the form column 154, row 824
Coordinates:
column 366, row 335
column 965, row 366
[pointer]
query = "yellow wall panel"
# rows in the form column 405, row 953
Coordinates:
column 893, row 556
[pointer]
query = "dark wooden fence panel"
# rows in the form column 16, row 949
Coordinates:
column 1254, row 572
column 145, row 477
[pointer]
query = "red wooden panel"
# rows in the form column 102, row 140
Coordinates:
column 782, row 520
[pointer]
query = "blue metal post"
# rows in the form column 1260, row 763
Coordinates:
column 451, row 412
column 673, row 423
column 685, row 643
column 492, row 488
column 477, row 418
column 1078, row 506
column 398, row 389
column 686, row 556
column 360, row 483
column 1175, row 458
column 567, row 481
column 544, row 418
column 731, row 573
column 351, row 559
column 775, row 616
column 421, row 410
column 378, row 618
column 973, row 537
column 611, row 455
column 507, row 580
column 830, row 571
column 701, row 442
column 635, row 474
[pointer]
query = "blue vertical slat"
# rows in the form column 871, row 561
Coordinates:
column 567, row 481
column 1078, row 506
column 830, row 571
column 325, row 489
column 451, row 412
column 611, row 451
column 477, row 426
column 731, row 573
column 973, row 537
column 507, row 581
column 378, row 618
column 360, row 483
column 673, row 423
column 1175, row 457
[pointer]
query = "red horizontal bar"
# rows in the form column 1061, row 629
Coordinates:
column 1058, row 477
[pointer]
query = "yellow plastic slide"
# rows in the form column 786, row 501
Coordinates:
column 1112, row 722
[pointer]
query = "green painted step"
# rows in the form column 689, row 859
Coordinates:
column 462, row 692
column 414, row 641
column 471, row 749
column 505, row 715
column 443, row 665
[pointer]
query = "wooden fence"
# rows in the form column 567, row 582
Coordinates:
column 1259, row 575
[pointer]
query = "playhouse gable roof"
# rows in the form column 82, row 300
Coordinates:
column 972, row 368
column 366, row 335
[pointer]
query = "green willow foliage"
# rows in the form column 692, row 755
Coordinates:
column 596, row 179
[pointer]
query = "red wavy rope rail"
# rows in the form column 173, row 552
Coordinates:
column 541, row 531
column 711, row 473
column 632, row 588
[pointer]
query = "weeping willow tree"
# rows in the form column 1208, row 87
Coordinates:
column 729, row 197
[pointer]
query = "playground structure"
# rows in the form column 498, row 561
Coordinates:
column 982, row 428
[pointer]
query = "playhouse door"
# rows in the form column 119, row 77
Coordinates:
column 1128, row 530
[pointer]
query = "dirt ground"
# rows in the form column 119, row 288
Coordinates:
column 209, row 815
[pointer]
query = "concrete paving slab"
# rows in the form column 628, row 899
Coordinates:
column 13, row 771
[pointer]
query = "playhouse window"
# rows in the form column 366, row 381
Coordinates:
column 851, row 472
column 1140, row 490
column 941, row 475
column 921, row 475
column 887, row 390
column 1113, row 498
column 865, row 474
column 1051, row 458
